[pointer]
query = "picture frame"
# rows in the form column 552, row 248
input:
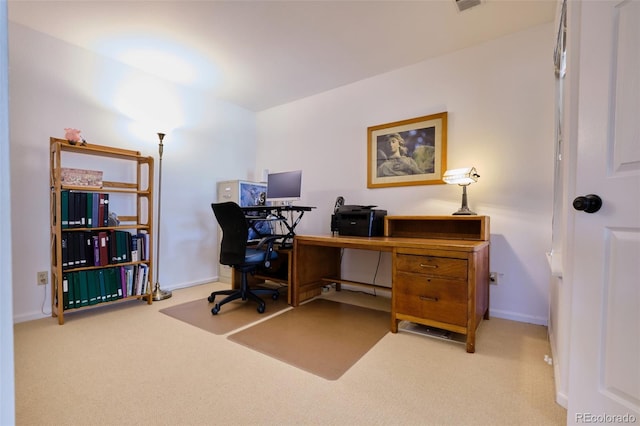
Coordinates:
column 407, row 152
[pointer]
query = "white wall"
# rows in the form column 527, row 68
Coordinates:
column 499, row 97
column 54, row 85
column 7, row 382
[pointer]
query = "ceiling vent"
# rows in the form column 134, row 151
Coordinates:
column 463, row 5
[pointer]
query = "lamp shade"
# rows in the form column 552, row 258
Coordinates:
column 464, row 176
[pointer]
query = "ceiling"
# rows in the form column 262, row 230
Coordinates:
column 259, row 54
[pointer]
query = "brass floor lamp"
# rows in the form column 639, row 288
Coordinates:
column 159, row 294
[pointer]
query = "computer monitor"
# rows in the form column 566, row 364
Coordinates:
column 284, row 186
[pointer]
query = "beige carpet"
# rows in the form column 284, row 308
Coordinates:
column 154, row 370
column 232, row 315
column 322, row 337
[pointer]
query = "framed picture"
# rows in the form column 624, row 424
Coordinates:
column 408, row 152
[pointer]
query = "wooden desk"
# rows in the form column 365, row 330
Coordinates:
column 440, row 269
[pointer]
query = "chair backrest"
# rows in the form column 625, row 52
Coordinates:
column 235, row 231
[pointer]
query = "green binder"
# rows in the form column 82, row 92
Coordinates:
column 74, row 278
column 84, row 288
column 64, row 209
column 111, row 283
column 94, row 287
column 102, row 285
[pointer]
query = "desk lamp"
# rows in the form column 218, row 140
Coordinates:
column 463, row 177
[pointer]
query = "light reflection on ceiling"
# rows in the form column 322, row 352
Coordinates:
column 161, row 57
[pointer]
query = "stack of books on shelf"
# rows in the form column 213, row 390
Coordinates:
column 102, row 248
column 84, row 209
column 103, row 264
column 93, row 286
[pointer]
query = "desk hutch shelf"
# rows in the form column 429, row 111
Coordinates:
column 83, row 277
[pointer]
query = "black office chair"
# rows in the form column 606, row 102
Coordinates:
column 234, row 252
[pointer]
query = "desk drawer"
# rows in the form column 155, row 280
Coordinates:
column 431, row 298
column 432, row 265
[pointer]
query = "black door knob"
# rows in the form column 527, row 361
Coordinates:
column 589, row 203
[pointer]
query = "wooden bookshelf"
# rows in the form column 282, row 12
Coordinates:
column 93, row 271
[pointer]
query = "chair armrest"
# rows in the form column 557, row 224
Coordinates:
column 269, row 241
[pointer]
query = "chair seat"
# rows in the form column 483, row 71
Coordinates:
column 257, row 256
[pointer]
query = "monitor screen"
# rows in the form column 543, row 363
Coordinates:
column 284, row 186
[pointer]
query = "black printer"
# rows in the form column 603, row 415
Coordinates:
column 359, row 221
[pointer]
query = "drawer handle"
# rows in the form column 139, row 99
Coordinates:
column 428, row 299
column 422, row 265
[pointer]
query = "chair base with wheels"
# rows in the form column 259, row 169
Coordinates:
column 244, row 293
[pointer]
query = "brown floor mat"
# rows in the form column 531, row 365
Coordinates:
column 322, row 337
column 232, row 316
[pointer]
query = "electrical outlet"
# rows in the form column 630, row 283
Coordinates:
column 43, row 278
column 493, row 278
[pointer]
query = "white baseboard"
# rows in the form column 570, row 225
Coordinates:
column 30, row 316
column 562, row 398
column 190, row 284
column 515, row 316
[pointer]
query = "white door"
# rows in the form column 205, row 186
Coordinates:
column 604, row 365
